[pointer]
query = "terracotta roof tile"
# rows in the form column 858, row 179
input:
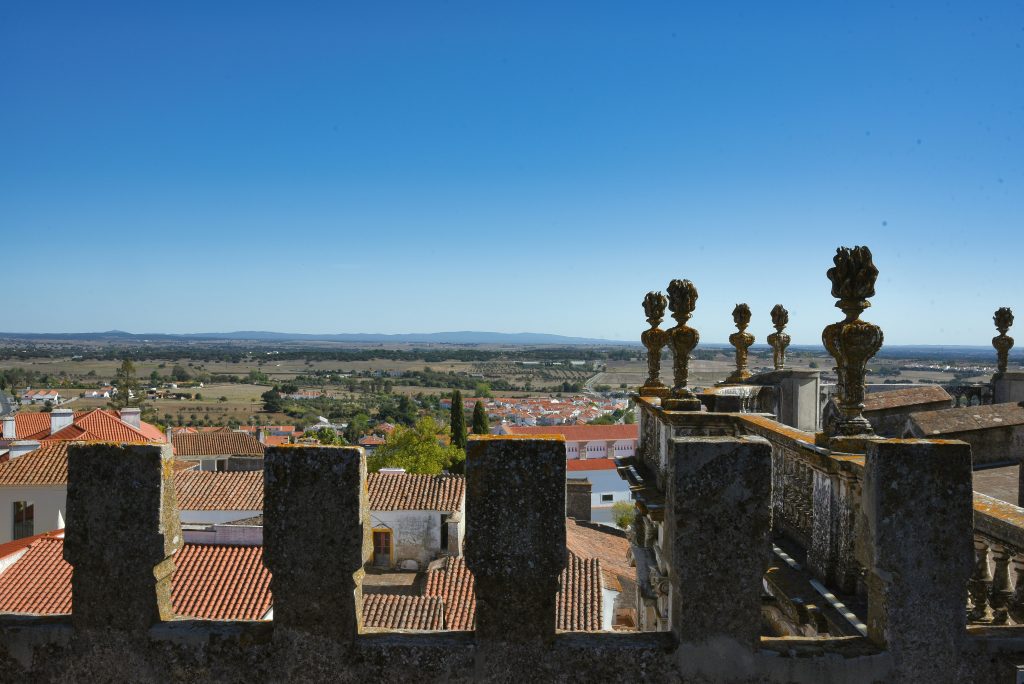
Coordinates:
column 385, row 611
column 94, row 425
column 580, row 433
column 211, row 582
column 577, row 604
column 611, row 548
column 215, row 582
column 216, row 444
column 454, row 584
column 47, row 465
column 574, row 464
column 910, row 396
column 408, row 492
column 204, row 490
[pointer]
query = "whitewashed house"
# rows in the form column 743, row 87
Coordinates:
column 415, row 517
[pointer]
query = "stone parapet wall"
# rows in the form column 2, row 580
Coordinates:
column 316, row 546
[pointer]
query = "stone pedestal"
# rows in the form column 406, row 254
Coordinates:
column 1008, row 387
column 797, row 397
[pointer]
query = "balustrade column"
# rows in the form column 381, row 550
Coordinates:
column 1016, row 603
column 980, row 585
column 1002, row 589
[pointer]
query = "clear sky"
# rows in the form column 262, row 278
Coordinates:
column 520, row 166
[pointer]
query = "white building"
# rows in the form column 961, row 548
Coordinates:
column 415, row 517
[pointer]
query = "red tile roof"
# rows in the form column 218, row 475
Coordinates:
column 612, row 549
column 574, row 464
column 385, row 611
column 580, row 433
column 204, row 490
column 216, row 444
column 408, row 492
column 454, row 584
column 47, row 465
column 103, row 426
column 215, row 582
column 275, row 440
column 210, row 582
column 577, row 604
column 95, row 425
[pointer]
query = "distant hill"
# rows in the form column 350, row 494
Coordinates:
column 459, row 337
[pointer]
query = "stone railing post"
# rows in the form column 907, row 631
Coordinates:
column 121, row 537
column 980, row 585
column 316, row 540
column 718, row 524
column 515, row 534
column 919, row 522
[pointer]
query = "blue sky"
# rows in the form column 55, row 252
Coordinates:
column 416, row 167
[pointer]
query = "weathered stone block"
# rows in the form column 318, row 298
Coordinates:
column 122, row 534
column 515, row 533
column 316, row 537
column 918, row 510
column 719, row 528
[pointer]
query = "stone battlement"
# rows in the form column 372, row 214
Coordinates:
column 123, row 534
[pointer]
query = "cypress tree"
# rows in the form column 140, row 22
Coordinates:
column 480, row 424
column 458, row 421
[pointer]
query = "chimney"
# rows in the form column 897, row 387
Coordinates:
column 60, row 418
column 10, row 432
column 132, row 416
column 577, row 498
column 170, row 435
column 261, row 436
column 22, row 447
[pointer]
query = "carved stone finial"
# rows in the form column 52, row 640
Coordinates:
column 779, row 340
column 741, row 341
column 852, row 342
column 1003, row 319
column 654, row 340
column 682, row 299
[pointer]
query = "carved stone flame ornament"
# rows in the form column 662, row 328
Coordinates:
column 654, row 340
column 682, row 299
column 1003, row 343
column 741, row 341
column 851, row 342
column 778, row 339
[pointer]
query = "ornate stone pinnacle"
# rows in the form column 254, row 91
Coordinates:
column 654, row 340
column 1003, row 343
column 779, row 340
column 682, row 299
column 741, row 341
column 852, row 342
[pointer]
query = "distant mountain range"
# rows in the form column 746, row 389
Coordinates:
column 472, row 337
column 459, row 337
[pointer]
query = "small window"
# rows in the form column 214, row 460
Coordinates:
column 24, row 519
column 607, row 497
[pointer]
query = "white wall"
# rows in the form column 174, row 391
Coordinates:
column 608, row 597
column 415, row 535
column 49, row 502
